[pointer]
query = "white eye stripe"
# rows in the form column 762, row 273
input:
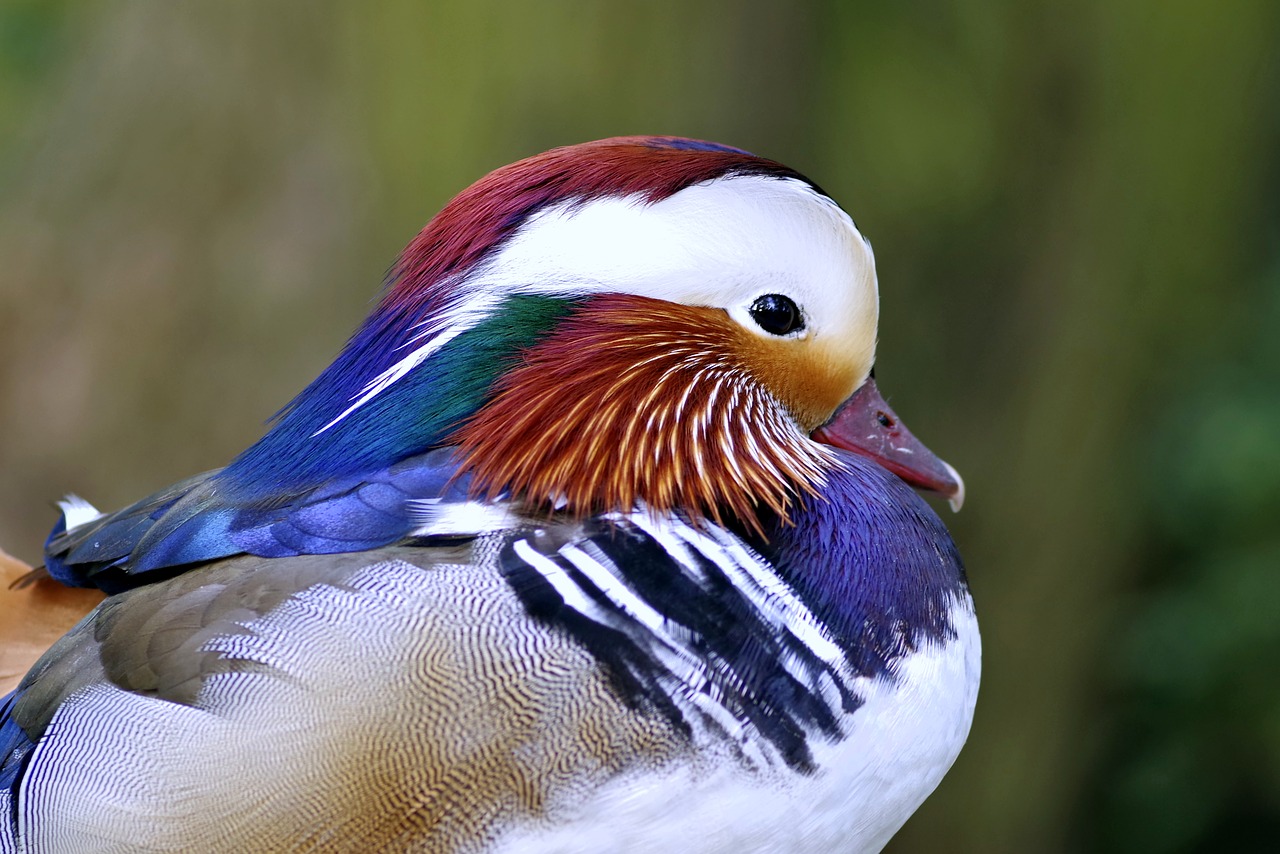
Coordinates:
column 722, row 244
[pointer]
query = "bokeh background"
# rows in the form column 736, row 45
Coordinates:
column 1076, row 214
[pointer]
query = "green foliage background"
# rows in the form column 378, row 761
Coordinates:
column 1075, row 214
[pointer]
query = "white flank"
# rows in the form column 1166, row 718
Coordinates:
column 900, row 743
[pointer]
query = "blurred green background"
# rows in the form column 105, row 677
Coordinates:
column 1075, row 213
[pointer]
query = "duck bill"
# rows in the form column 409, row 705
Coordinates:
column 864, row 424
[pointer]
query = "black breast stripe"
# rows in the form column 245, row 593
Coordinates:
column 690, row 625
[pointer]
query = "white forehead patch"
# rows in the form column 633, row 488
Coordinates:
column 722, row 243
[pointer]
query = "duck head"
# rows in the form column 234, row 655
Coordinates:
column 636, row 320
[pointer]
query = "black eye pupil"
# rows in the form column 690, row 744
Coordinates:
column 776, row 314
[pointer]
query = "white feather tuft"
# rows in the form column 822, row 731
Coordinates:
column 76, row 511
column 435, row 518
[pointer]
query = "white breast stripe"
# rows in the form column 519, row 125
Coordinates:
column 692, row 680
column 657, row 527
column 775, row 603
column 750, row 572
column 555, row 575
column 687, row 674
column 599, row 575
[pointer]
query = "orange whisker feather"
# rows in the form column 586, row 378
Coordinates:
column 634, row 400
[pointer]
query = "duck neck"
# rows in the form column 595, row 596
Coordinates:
column 873, row 562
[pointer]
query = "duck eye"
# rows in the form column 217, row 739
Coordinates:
column 776, row 314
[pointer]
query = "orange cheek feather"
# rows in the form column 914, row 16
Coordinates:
column 635, row 399
column 811, row 380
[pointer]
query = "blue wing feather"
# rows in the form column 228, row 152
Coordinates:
column 199, row 520
column 312, row 486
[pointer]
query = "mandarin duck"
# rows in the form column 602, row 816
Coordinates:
column 597, row 535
